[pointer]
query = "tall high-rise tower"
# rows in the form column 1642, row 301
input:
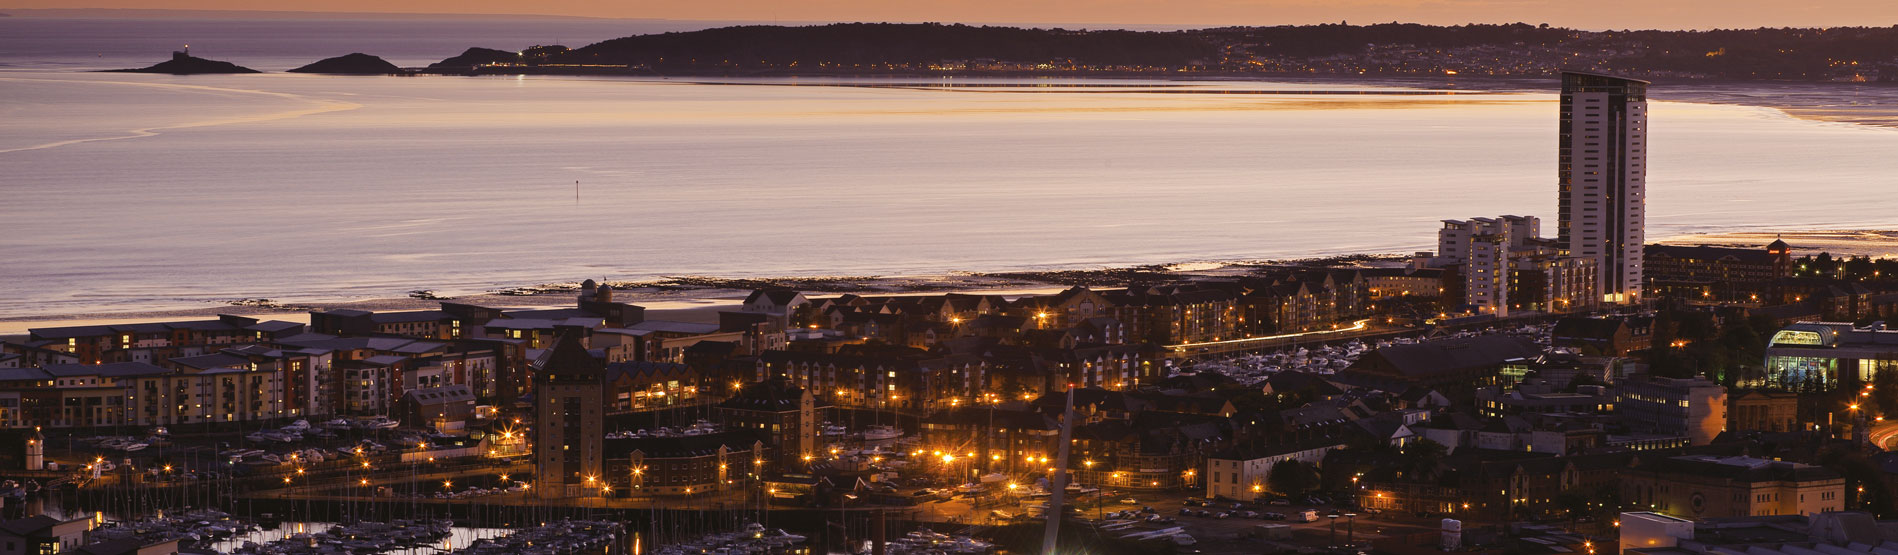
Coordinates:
column 1603, row 174
column 568, row 434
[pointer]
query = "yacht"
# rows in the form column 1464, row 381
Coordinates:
column 880, row 433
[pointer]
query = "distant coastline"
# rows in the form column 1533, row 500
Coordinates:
column 139, row 13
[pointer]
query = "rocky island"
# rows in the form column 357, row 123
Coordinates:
column 183, row 63
column 352, row 64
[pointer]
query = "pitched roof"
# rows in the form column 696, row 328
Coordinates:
column 1260, row 451
column 23, row 374
column 568, row 361
column 408, row 316
column 110, row 369
column 214, row 360
column 778, row 297
column 440, row 395
column 29, row 526
column 693, row 328
column 1739, row 469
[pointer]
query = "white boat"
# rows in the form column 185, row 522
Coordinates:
column 835, row 431
column 299, row 426
column 136, row 447
column 993, row 477
column 378, row 423
column 1184, row 540
column 880, row 433
column 780, row 537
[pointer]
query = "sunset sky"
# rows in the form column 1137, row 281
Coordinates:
column 1599, row 14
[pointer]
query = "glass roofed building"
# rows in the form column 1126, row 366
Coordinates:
column 1821, row 356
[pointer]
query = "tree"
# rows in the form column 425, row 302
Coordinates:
column 1423, row 460
column 1575, row 502
column 1291, row 477
column 1885, row 390
column 1865, row 487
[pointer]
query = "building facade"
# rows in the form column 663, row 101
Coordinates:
column 1602, row 176
column 1822, row 356
column 1242, row 474
column 568, row 421
column 1695, row 407
column 1713, row 487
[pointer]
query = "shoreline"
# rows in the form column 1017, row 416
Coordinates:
column 1875, row 243
column 699, row 298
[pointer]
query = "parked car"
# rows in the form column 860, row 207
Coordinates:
column 1281, row 501
column 1273, row 516
column 1223, row 515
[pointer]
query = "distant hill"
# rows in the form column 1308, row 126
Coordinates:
column 850, row 44
column 147, row 13
column 351, row 64
column 186, row 64
column 1388, row 49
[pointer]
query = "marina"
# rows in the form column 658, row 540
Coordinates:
column 355, row 538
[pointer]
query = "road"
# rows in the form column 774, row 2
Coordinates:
column 1356, row 329
column 1882, row 435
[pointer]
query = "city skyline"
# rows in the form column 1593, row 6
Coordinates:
column 1611, row 15
column 320, row 283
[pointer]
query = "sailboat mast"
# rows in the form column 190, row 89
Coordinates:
column 1058, row 499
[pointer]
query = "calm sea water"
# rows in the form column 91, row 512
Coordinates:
column 131, row 192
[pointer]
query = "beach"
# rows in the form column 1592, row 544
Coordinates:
column 701, row 298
